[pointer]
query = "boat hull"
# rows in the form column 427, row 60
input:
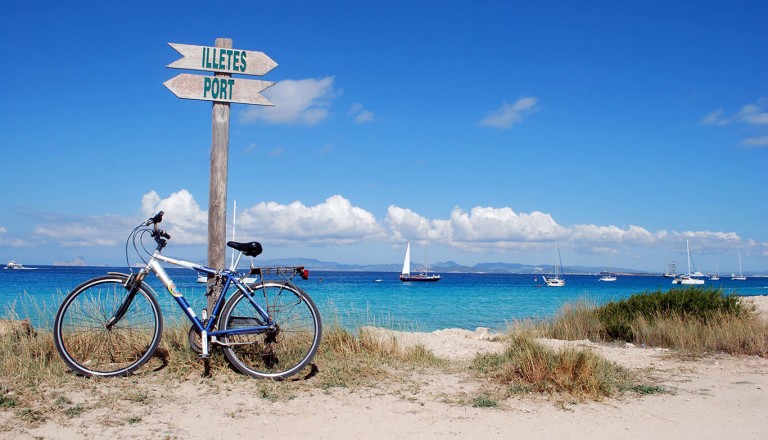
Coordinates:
column 554, row 282
column 426, row 278
column 687, row 280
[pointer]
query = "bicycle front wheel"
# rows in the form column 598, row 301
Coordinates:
column 272, row 354
column 88, row 346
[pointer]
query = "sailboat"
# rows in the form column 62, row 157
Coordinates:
column 715, row 276
column 740, row 276
column 607, row 275
column 691, row 277
column 671, row 270
column 555, row 281
column 423, row 276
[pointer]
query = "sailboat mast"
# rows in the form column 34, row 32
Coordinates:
column 740, row 274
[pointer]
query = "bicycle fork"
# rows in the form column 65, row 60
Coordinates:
column 132, row 286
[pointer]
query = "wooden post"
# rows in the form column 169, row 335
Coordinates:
column 217, row 194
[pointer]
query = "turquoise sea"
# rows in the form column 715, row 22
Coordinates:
column 459, row 300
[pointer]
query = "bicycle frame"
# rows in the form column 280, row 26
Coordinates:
column 205, row 326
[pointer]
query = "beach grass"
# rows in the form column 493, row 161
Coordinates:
column 691, row 321
column 354, row 357
column 694, row 321
column 528, row 367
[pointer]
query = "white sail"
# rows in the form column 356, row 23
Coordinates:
column 407, row 261
column 740, row 276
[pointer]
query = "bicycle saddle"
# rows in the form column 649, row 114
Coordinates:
column 250, row 249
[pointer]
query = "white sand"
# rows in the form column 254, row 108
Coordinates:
column 712, row 398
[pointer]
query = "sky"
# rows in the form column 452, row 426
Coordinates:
column 489, row 130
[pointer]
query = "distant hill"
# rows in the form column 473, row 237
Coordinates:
column 445, row 267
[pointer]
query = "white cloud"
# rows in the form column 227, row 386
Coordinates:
column 758, row 141
column 334, row 221
column 106, row 230
column 305, row 102
column 488, row 229
column 276, row 152
column 754, row 113
column 715, row 118
column 487, row 224
column 511, row 114
column 184, row 220
column 360, row 115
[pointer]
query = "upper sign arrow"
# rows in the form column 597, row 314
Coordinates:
column 219, row 59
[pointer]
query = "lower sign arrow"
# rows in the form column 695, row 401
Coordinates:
column 219, row 88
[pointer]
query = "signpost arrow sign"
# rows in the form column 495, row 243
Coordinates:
column 217, row 59
column 218, row 88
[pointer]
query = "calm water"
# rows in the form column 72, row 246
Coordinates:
column 458, row 300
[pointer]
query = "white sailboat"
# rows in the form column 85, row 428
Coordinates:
column 406, row 275
column 555, row 281
column 740, row 276
column 715, row 276
column 691, row 278
column 671, row 270
column 607, row 275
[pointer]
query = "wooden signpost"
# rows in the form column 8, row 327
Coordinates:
column 222, row 89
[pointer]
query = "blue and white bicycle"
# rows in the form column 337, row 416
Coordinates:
column 111, row 325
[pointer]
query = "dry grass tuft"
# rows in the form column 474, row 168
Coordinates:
column 735, row 335
column 347, row 359
column 692, row 321
column 529, row 367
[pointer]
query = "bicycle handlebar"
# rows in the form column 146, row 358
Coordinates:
column 158, row 234
column 157, row 218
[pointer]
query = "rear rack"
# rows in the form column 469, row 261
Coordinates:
column 283, row 272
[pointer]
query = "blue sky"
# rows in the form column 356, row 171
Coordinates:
column 619, row 129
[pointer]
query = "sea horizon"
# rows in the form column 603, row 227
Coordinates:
column 458, row 300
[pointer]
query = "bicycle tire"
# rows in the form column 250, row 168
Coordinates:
column 272, row 355
column 83, row 340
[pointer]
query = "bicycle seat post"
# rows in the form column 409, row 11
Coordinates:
column 236, row 261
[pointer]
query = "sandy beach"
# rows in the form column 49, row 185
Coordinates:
column 715, row 397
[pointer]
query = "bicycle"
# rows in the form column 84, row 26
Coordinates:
column 111, row 325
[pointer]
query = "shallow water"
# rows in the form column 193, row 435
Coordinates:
column 458, row 300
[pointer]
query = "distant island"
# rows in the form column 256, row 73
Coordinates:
column 445, row 267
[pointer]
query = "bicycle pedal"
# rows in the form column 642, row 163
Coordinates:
column 205, row 356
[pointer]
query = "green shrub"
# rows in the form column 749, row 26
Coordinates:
column 701, row 305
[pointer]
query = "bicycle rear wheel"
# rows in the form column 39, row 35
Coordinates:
column 83, row 340
column 279, row 353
